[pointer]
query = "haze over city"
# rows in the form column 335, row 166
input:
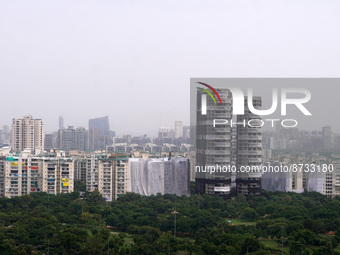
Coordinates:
column 132, row 61
column 170, row 127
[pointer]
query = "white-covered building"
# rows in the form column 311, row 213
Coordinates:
column 159, row 175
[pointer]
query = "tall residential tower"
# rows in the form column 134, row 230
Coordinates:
column 213, row 143
column 249, row 149
column 27, row 133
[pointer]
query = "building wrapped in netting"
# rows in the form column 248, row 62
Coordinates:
column 159, row 175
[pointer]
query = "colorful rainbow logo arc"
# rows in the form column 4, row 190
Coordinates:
column 208, row 92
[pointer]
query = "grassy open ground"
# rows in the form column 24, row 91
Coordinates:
column 274, row 245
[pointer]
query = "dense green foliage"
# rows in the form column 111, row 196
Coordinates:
column 67, row 224
column 79, row 186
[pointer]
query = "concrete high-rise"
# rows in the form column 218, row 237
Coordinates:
column 27, row 133
column 120, row 176
column 108, row 175
column 249, row 149
column 101, row 124
column 213, row 144
column 22, row 175
column 100, row 135
column 73, row 139
column 80, row 164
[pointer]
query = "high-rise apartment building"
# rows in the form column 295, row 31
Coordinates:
column 108, row 175
column 105, row 178
column 249, row 149
column 213, row 144
column 27, row 133
column 92, row 173
column 331, row 180
column 73, row 139
column 25, row 174
column 2, row 175
column 80, row 164
column 121, row 176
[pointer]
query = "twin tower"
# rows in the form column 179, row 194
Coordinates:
column 227, row 154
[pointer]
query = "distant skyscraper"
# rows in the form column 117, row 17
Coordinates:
column 100, row 135
column 27, row 133
column 101, row 124
column 249, row 149
column 61, row 122
column 178, row 129
column 213, row 145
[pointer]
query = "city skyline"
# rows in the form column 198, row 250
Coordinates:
column 170, row 127
column 153, row 132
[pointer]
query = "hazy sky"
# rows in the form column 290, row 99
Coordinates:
column 132, row 60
